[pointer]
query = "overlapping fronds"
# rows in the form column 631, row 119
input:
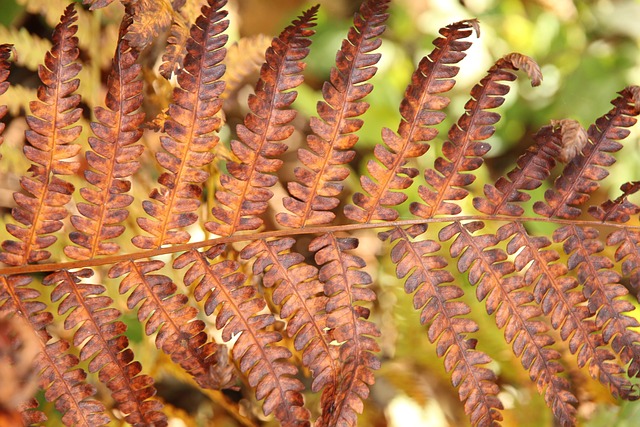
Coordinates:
column 238, row 309
column 313, row 195
column 100, row 338
column 464, row 150
column 281, row 306
column 420, row 110
column 62, row 382
column 190, row 139
column 300, row 295
column 244, row 190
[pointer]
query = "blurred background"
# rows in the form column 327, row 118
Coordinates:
column 587, row 50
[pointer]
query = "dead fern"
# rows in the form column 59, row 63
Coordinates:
column 257, row 303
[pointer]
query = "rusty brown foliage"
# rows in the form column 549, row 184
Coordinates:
column 260, row 306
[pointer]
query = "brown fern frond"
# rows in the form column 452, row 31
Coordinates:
column 100, row 338
column 464, row 150
column 447, row 325
column 244, row 194
column 185, row 13
column 112, row 159
column 580, row 177
column 532, row 168
column 602, row 288
column 51, row 137
column 190, row 140
column 620, row 209
column 506, row 297
column 179, row 333
column 176, row 49
column 63, row 384
column 239, row 310
column 29, row 413
column 5, row 54
column 300, row 295
column 420, row 110
column 626, row 240
column 318, row 182
column 559, row 296
column 345, row 285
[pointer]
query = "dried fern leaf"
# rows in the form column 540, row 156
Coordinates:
column 532, row 168
column 300, row 295
column 464, row 150
column 239, row 309
column 626, row 240
column 420, row 110
column 318, row 182
column 51, row 147
column 5, row 53
column 62, row 383
column 604, row 293
column 560, row 298
column 506, row 297
column 580, row 177
column 447, row 325
column 345, row 285
column 29, row 413
column 244, row 194
column 166, row 312
column 112, row 159
column 176, row 49
column 190, row 135
column 100, row 338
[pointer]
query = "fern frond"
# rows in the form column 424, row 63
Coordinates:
column 464, row 150
column 318, row 182
column 447, row 326
column 300, row 295
column 244, row 194
column 176, row 49
column 626, row 241
column 506, row 297
column 179, row 333
column 560, row 298
column 580, row 177
column 63, row 384
column 602, row 288
column 345, row 286
column 239, row 310
column 190, row 140
column 420, row 110
column 100, row 338
column 532, row 168
column 51, row 137
column 113, row 158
